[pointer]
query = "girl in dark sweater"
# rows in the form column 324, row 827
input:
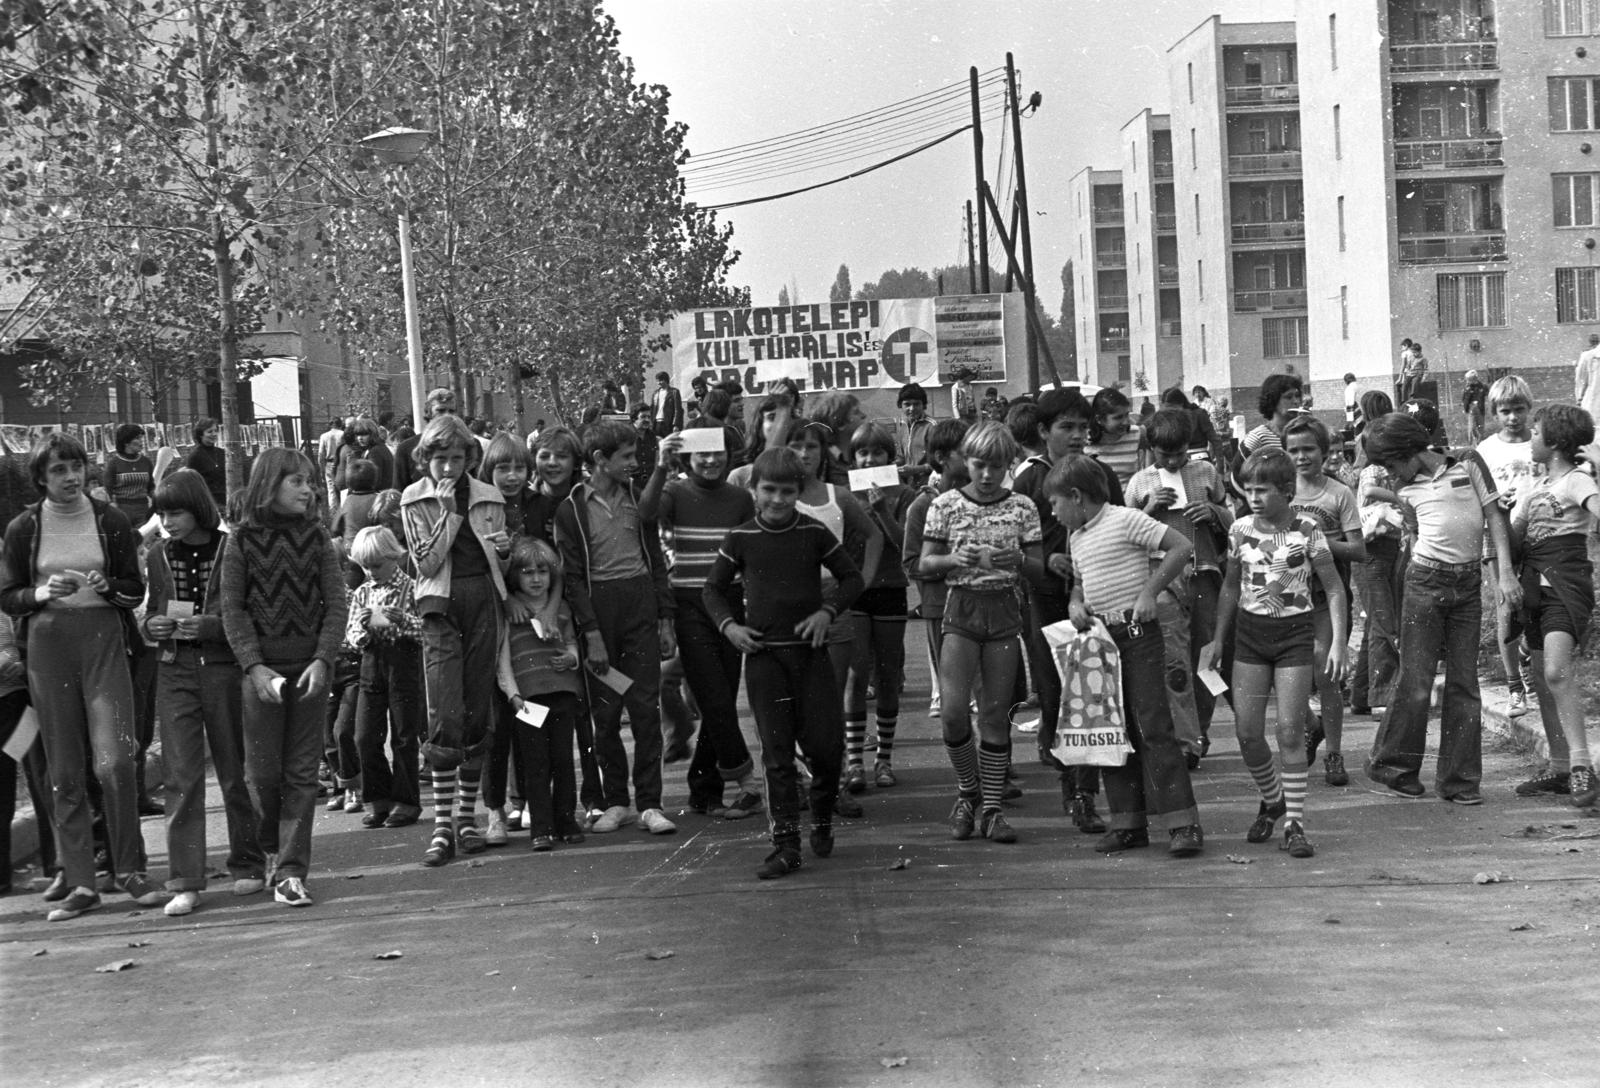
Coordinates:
column 284, row 611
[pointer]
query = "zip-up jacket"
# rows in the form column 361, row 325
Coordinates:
column 214, row 648
column 572, row 540
column 119, row 546
column 430, row 532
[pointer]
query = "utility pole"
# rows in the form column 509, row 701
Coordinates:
column 977, row 170
column 972, row 262
column 1020, row 205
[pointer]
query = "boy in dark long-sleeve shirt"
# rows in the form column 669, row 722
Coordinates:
column 780, row 556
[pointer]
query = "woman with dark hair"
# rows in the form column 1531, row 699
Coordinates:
column 363, row 442
column 130, row 475
column 208, row 459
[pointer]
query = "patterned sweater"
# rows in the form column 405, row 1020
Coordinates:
column 283, row 596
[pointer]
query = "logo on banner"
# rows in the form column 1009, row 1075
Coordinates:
column 908, row 355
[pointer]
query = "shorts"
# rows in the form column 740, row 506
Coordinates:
column 982, row 615
column 1275, row 641
column 1548, row 614
column 883, row 603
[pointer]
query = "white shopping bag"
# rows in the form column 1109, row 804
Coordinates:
column 1091, row 730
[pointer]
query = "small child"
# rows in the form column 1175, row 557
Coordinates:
column 779, row 555
column 1508, row 453
column 355, row 509
column 1109, row 564
column 508, row 465
column 1272, row 557
column 539, row 665
column 943, row 455
column 386, row 630
column 1112, row 438
column 1550, row 524
column 981, row 537
column 1473, row 400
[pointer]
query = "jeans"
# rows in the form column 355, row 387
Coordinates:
column 37, row 775
column 143, row 663
column 1205, row 589
column 339, row 750
column 625, row 612
column 547, row 775
column 711, row 665
column 1439, row 619
column 1378, row 583
column 1155, row 778
column 200, row 707
column 460, row 649
column 1174, row 619
column 795, row 701
column 391, row 707
column 282, row 744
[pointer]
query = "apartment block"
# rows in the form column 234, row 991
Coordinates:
column 1150, row 229
column 1100, row 273
column 1455, row 192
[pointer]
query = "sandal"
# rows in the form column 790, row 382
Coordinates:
column 441, row 849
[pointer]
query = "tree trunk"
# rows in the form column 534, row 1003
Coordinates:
column 227, row 354
column 514, row 388
column 553, row 376
column 452, row 347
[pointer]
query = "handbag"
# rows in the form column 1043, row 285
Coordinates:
column 1091, row 730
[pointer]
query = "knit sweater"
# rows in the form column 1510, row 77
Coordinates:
column 527, row 655
column 782, row 570
column 694, row 518
column 283, row 596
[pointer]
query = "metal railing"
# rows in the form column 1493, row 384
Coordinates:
column 1245, row 302
column 1113, row 343
column 1171, row 328
column 1262, row 94
column 1277, row 231
column 1113, row 258
column 1444, row 57
column 1108, row 215
column 1452, row 248
column 1162, row 169
column 1447, row 154
column 1167, row 273
column 1112, row 302
column 1167, row 221
column 1265, row 162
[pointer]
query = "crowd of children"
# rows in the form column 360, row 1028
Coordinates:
column 485, row 631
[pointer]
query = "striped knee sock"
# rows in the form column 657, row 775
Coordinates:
column 467, row 797
column 964, row 758
column 855, row 736
column 993, row 762
column 886, row 728
column 1266, row 776
column 444, row 797
column 1294, row 795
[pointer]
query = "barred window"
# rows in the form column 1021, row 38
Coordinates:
column 1577, row 297
column 1574, row 104
column 1284, row 336
column 1569, row 18
column 1474, row 300
column 1575, row 197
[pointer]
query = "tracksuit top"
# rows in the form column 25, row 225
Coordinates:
column 782, row 569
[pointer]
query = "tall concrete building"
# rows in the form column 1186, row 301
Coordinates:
column 1235, row 127
column 1100, row 272
column 1150, row 228
column 1453, row 188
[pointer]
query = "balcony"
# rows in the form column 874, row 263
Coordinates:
column 1270, row 95
column 1461, row 248
column 1470, row 56
column 1162, row 169
column 1111, row 258
column 1114, row 343
column 1274, row 232
column 1108, row 216
column 1170, row 328
column 1245, row 302
column 1265, row 162
column 1447, row 154
column 1112, row 302
column 1167, row 273
column 1166, row 222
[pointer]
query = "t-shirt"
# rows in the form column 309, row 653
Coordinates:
column 1030, row 482
column 1552, row 508
column 1111, row 556
column 1200, row 484
column 1511, row 464
column 1449, row 508
column 1121, row 454
column 1276, row 569
column 956, row 520
column 1262, row 438
column 1331, row 505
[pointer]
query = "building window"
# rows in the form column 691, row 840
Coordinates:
column 1284, row 336
column 1338, row 136
column 1341, row 224
column 1575, row 198
column 1138, row 256
column 1136, row 208
column 1197, row 213
column 1191, row 82
column 1569, row 18
column 1574, row 104
column 1202, row 345
column 1577, row 295
column 1200, row 276
column 1475, row 300
column 1133, row 153
column 1344, row 313
column 1333, row 42
column 113, row 402
column 1194, row 153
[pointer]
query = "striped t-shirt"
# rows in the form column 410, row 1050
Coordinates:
column 1200, row 484
column 1262, row 438
column 694, row 518
column 1122, row 454
column 1111, row 556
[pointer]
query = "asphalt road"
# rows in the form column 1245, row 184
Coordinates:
column 640, row 960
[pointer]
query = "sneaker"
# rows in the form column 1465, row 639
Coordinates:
column 655, row 821
column 933, row 703
column 1266, row 819
column 822, row 840
column 514, row 820
column 1081, row 809
column 1186, row 841
column 1545, row 782
column 543, row 843
column 1314, row 741
column 1584, row 786
column 744, row 806
column 141, row 889
column 181, row 904
column 336, row 800
column 779, row 863
column 883, row 775
column 963, row 819
column 592, row 817
column 1123, row 838
column 855, row 778
column 248, row 885
column 75, row 903
column 441, row 848
column 497, row 834
column 845, row 805
column 58, row 890
column 1333, row 772
column 1517, row 705
column 353, row 802
column 995, row 828
column 1295, row 841
column 611, row 819
column 291, row 891
column 469, row 840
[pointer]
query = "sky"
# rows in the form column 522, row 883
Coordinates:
column 748, row 70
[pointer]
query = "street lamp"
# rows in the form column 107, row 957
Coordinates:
column 401, row 147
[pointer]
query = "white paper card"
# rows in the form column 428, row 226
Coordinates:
column 22, row 736
column 180, row 610
column 534, row 714
column 616, row 681
column 379, row 619
column 703, row 440
column 882, row 476
column 1174, row 480
column 1238, row 427
column 773, row 370
column 1213, row 681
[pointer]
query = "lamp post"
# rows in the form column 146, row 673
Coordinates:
column 401, row 147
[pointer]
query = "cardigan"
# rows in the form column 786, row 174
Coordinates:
column 118, row 542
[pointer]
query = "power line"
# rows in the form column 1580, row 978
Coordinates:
column 847, row 177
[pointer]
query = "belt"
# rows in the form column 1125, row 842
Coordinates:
column 1123, row 618
column 1451, row 568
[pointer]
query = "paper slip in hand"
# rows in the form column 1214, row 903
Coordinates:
column 616, row 681
column 23, row 735
column 1213, row 681
column 703, row 440
column 180, row 610
column 534, row 714
column 882, row 476
column 1174, row 480
column 772, row 370
column 379, row 619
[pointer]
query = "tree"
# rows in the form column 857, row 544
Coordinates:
column 783, row 296
column 840, row 291
column 1069, row 319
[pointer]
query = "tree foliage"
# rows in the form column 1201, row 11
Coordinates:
column 840, row 291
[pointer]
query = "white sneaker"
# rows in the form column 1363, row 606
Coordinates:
column 182, row 903
column 1518, row 705
column 611, row 819
column 497, row 834
column 291, row 891
column 655, row 821
column 248, row 885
